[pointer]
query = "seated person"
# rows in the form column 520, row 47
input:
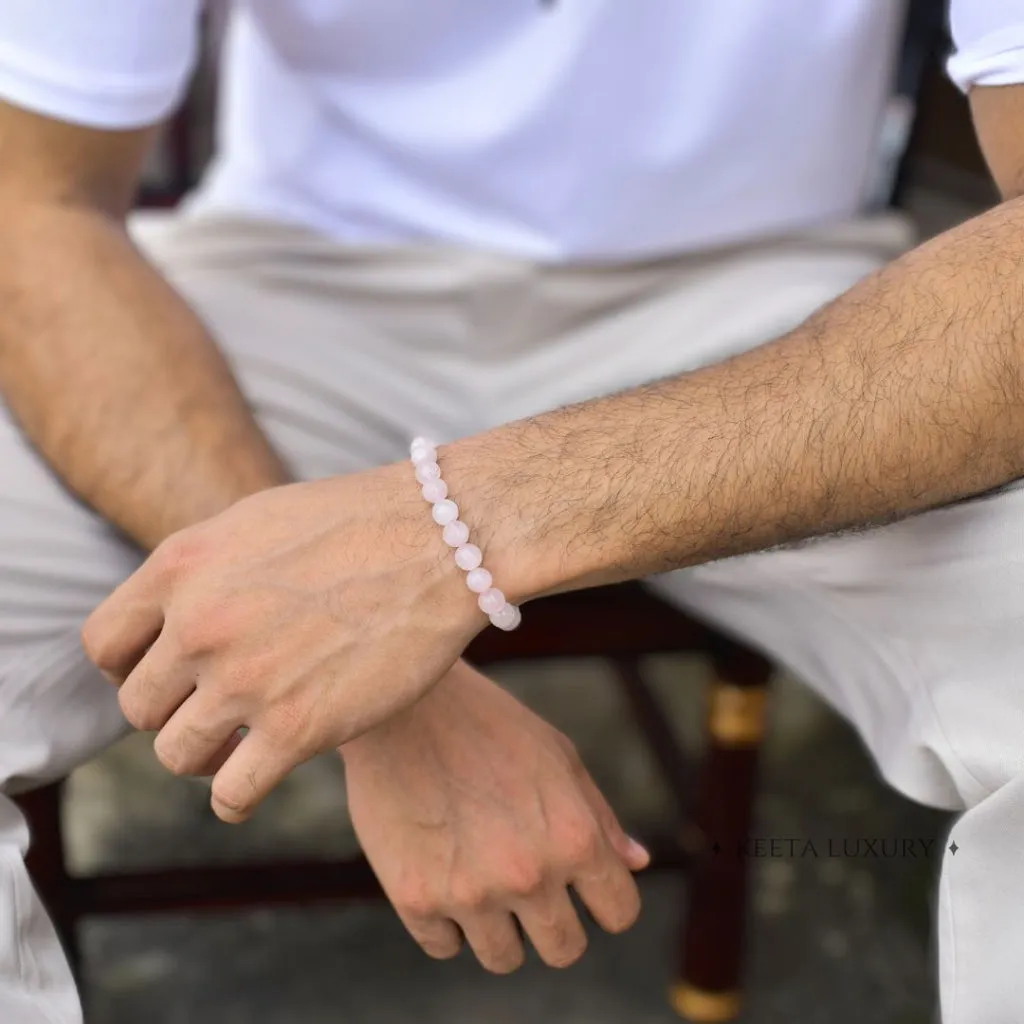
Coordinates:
column 438, row 221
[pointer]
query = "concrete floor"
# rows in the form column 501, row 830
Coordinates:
column 833, row 939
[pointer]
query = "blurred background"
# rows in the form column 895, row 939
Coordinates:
column 831, row 939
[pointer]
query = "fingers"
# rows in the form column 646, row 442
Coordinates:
column 156, row 687
column 601, row 870
column 219, row 759
column 554, row 927
column 118, row 632
column 439, row 937
column 634, row 855
column 546, row 914
column 198, row 734
column 254, row 768
column 609, row 892
column 495, row 940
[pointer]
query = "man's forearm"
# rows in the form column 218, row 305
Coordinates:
column 904, row 393
column 115, row 380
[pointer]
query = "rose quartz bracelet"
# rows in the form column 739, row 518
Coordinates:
column 468, row 556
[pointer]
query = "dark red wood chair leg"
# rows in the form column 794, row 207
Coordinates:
column 708, row 989
column 46, row 864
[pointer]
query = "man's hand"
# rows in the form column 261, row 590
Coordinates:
column 312, row 613
column 475, row 814
column 307, row 614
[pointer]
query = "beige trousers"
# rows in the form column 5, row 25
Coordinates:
column 914, row 631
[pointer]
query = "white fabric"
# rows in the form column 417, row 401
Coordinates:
column 912, row 631
column 582, row 129
column 989, row 39
column 106, row 63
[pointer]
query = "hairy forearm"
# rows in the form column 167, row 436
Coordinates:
column 905, row 393
column 116, row 382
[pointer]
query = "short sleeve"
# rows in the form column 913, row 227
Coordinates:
column 988, row 36
column 100, row 63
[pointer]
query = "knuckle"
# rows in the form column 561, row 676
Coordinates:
column 579, row 843
column 216, row 620
column 179, row 751
column 289, row 721
column 467, row 893
column 416, row 900
column 233, row 680
column 291, row 726
column 525, row 878
column 201, row 630
column 97, row 646
column 139, row 713
column 180, row 553
column 230, row 681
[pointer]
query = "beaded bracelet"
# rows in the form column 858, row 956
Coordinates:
column 468, row 556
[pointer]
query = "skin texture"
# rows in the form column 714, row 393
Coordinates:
column 420, row 829
column 998, row 115
column 93, row 340
column 904, row 393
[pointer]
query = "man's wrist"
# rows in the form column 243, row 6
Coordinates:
column 407, row 725
column 509, row 485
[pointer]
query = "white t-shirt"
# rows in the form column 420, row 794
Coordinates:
column 578, row 129
column 990, row 42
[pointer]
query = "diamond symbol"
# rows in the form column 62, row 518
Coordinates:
column 953, row 847
column 716, row 849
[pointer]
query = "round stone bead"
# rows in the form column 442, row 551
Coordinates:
column 435, row 491
column 421, row 456
column 427, row 471
column 456, row 534
column 491, row 601
column 468, row 557
column 445, row 512
column 479, row 580
column 507, row 617
column 421, row 442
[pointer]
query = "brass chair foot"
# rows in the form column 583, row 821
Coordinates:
column 702, row 1007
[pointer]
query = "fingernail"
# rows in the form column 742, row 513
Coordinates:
column 638, row 850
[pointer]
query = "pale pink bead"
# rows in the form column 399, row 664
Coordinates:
column 479, row 580
column 435, row 491
column 506, row 618
column 491, row 600
column 469, row 556
column 456, row 534
column 420, row 456
column 427, row 471
column 445, row 512
column 421, row 442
